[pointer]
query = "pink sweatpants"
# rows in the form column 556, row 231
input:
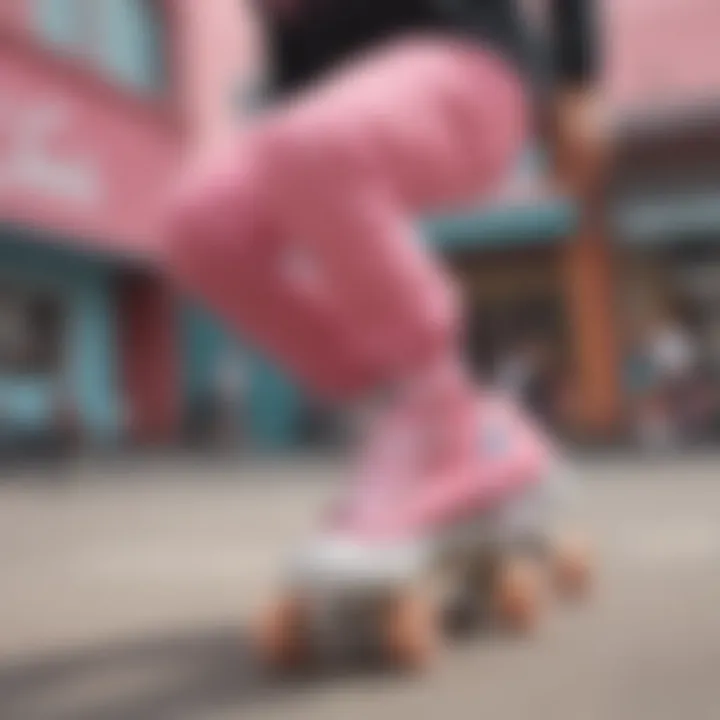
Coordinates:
column 303, row 236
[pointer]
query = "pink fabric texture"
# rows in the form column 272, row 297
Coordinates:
column 415, row 475
column 303, row 235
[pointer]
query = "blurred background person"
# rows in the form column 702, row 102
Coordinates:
column 675, row 356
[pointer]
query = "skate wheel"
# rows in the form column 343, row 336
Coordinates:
column 572, row 567
column 469, row 605
column 518, row 591
column 410, row 633
column 279, row 635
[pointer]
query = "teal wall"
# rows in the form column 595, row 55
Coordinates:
column 274, row 401
column 91, row 353
column 86, row 285
column 540, row 222
column 127, row 41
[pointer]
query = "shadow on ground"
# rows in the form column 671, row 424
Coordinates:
column 193, row 675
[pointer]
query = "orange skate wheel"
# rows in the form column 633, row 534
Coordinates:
column 280, row 635
column 410, row 632
column 518, row 594
column 572, row 566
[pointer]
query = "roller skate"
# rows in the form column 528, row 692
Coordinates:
column 504, row 565
column 447, row 515
column 517, row 543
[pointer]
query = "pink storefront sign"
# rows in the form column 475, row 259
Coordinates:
column 78, row 158
column 661, row 54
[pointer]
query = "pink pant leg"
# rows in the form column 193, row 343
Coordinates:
column 342, row 174
column 415, row 127
column 225, row 250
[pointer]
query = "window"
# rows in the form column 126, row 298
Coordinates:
column 122, row 37
column 31, row 331
column 61, row 23
column 130, row 45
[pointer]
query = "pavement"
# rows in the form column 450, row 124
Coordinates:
column 126, row 587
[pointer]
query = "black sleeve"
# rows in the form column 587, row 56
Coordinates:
column 575, row 45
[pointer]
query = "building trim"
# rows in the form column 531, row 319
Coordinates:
column 536, row 222
column 72, row 246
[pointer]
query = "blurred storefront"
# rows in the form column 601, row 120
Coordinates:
column 662, row 206
column 98, row 100
column 587, row 277
column 83, row 152
column 664, row 209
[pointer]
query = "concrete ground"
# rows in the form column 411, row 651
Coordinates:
column 124, row 591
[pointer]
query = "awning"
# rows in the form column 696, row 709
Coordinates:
column 26, row 241
column 539, row 221
column 668, row 219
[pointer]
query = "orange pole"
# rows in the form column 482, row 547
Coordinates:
column 594, row 333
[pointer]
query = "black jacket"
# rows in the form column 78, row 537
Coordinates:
column 316, row 34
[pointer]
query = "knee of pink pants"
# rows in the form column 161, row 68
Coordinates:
column 210, row 207
column 395, row 299
column 389, row 309
column 222, row 250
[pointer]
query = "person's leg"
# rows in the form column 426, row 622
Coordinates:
column 354, row 164
column 342, row 173
column 225, row 250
